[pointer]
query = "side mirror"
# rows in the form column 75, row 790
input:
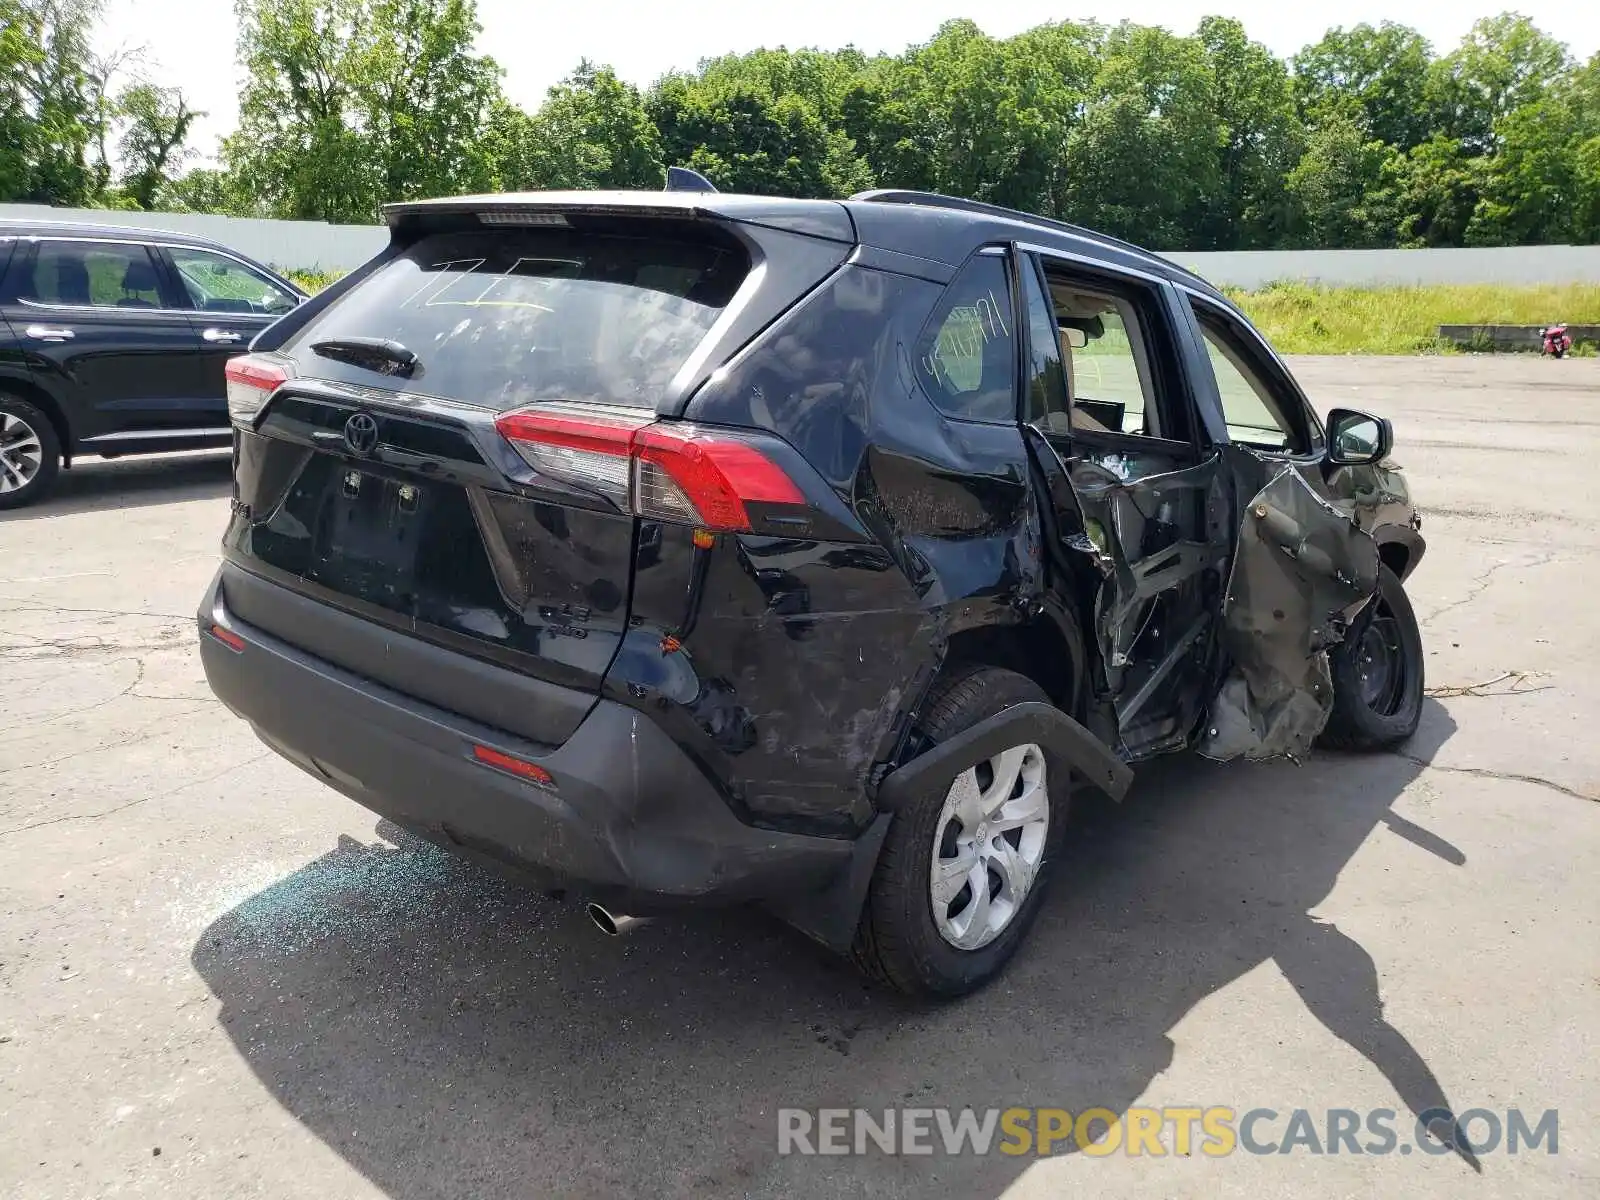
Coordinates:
column 1357, row 438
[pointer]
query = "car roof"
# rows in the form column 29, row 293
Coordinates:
column 926, row 225
column 36, row 227
column 907, row 212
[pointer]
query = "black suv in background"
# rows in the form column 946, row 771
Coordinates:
column 113, row 341
column 686, row 548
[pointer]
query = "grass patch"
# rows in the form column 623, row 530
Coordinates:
column 1303, row 318
column 313, row 281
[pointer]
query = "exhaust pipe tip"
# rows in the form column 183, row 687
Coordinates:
column 612, row 924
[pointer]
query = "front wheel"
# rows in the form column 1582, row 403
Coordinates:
column 1377, row 674
column 961, row 875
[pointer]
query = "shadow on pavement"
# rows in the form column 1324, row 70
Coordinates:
column 95, row 484
column 452, row 1035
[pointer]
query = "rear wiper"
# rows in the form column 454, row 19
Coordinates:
column 382, row 355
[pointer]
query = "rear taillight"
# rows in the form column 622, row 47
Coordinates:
column 251, row 380
column 659, row 470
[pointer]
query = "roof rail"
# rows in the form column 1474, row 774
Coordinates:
column 936, row 200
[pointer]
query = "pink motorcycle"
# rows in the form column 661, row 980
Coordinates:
column 1555, row 341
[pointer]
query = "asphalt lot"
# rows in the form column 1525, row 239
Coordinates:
column 219, row 979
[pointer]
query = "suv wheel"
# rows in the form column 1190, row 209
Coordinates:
column 961, row 876
column 1377, row 674
column 30, row 455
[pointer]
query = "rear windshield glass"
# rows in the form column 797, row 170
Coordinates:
column 510, row 317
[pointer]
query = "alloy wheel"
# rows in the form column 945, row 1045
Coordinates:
column 21, row 453
column 988, row 846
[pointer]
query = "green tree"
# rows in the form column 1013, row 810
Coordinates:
column 1376, row 76
column 591, row 132
column 1259, row 141
column 20, row 56
column 421, row 95
column 156, row 123
column 1585, row 99
column 1144, row 164
column 352, row 103
column 1541, row 185
column 48, row 102
column 973, row 116
column 740, row 139
column 1338, row 186
column 1504, row 64
column 1436, row 187
column 821, row 82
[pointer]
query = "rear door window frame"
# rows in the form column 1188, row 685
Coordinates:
column 1153, row 301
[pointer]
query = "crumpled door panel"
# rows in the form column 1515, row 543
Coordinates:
column 1156, row 532
column 1302, row 571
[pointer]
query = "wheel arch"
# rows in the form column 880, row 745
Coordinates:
column 1047, row 649
column 1399, row 548
column 25, row 388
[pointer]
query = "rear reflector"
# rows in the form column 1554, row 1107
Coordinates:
column 251, row 379
column 662, row 471
column 228, row 638
column 512, row 766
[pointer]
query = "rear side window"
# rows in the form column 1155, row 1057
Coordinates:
column 512, row 317
column 967, row 358
column 92, row 275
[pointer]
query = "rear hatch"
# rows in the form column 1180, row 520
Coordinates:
column 458, row 448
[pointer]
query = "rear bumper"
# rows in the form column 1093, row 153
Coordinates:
column 630, row 820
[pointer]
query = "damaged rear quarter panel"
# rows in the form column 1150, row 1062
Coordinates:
column 798, row 662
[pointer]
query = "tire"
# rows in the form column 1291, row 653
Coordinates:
column 899, row 940
column 30, row 452
column 1369, row 714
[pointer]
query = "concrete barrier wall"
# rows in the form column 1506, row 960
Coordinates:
column 314, row 245
column 287, row 245
column 1512, row 265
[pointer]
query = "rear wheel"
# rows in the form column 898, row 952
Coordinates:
column 962, row 874
column 1378, row 674
column 30, row 454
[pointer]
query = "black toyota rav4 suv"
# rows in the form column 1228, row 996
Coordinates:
column 688, row 548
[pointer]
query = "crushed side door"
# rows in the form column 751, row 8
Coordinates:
column 1158, row 539
column 1303, row 569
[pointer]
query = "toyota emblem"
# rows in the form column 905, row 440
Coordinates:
column 361, row 434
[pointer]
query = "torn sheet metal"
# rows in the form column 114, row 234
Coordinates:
column 1133, row 521
column 1302, row 571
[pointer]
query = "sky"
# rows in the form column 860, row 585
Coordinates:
column 190, row 43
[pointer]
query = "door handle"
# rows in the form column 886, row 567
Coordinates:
column 45, row 333
column 221, row 335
